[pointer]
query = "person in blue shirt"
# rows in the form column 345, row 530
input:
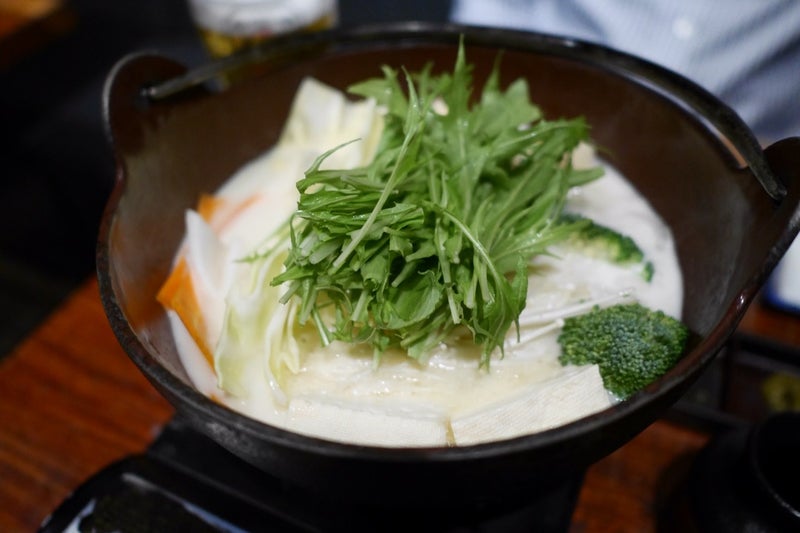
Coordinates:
column 746, row 52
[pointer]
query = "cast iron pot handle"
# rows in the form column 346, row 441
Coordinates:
column 126, row 108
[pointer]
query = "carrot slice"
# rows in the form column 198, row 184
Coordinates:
column 208, row 205
column 178, row 294
column 219, row 212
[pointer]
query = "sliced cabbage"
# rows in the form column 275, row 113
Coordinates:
column 259, row 334
column 257, row 339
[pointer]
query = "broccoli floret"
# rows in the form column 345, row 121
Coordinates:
column 632, row 345
column 598, row 241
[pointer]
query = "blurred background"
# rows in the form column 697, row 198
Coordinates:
column 56, row 167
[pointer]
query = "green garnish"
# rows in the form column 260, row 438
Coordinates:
column 602, row 242
column 438, row 230
column 632, row 345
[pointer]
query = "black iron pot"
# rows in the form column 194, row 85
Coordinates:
column 733, row 209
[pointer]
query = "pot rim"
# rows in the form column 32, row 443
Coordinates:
column 715, row 116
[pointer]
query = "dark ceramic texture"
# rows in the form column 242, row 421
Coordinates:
column 670, row 138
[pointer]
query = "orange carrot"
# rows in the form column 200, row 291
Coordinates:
column 178, row 294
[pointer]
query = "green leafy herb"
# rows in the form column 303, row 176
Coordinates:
column 438, row 230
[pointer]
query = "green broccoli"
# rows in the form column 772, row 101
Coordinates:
column 632, row 345
column 602, row 242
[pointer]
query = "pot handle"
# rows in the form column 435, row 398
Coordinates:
column 763, row 171
column 782, row 159
column 126, row 108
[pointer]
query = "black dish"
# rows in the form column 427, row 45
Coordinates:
column 733, row 210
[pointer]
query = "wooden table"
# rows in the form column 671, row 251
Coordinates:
column 28, row 25
column 71, row 402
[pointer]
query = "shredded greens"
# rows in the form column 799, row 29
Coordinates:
column 437, row 232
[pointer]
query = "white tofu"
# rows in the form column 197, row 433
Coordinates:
column 354, row 424
column 570, row 396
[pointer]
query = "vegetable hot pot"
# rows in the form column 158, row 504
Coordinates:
column 732, row 206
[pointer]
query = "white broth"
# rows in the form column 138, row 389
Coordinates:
column 337, row 392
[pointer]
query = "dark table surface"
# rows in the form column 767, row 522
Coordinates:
column 72, row 403
column 57, row 426
column 57, row 167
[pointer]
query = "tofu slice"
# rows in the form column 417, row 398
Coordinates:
column 339, row 421
column 576, row 393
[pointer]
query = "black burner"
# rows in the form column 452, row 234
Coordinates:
column 748, row 476
column 186, row 482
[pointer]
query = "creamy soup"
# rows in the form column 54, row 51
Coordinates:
column 338, row 392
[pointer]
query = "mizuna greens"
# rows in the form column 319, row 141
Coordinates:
column 437, row 232
column 456, row 222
